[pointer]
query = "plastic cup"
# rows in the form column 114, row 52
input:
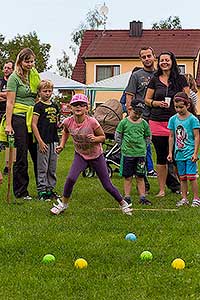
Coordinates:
column 168, row 100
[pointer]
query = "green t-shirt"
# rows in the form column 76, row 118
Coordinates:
column 22, row 90
column 133, row 137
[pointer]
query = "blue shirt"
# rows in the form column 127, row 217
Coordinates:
column 184, row 142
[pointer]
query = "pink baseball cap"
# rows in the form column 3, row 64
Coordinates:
column 79, row 98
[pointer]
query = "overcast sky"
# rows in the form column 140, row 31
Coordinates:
column 55, row 20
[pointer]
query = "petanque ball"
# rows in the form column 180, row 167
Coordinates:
column 178, row 264
column 81, row 263
column 130, row 237
column 48, row 259
column 146, row 255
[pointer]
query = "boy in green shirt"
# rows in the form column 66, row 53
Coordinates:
column 133, row 134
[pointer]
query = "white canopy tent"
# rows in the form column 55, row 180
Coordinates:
column 62, row 83
column 115, row 83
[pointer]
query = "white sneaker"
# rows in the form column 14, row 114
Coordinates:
column 182, row 202
column 152, row 174
column 58, row 208
column 27, row 197
column 195, row 203
column 126, row 208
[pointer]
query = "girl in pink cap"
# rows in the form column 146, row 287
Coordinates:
column 88, row 137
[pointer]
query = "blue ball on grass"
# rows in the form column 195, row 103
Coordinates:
column 130, row 237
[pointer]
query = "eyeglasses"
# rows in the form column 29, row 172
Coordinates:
column 79, row 104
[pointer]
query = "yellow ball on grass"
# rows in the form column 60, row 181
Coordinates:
column 178, row 264
column 81, row 263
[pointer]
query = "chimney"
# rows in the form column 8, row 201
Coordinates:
column 135, row 29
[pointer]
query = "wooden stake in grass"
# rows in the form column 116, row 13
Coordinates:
column 10, row 158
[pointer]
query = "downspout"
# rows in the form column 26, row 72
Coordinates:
column 194, row 63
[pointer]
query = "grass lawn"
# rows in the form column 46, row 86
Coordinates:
column 94, row 228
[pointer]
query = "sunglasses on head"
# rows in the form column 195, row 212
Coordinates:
column 82, row 104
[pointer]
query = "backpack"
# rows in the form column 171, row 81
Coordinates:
column 109, row 114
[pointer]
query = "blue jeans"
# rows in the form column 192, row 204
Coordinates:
column 149, row 161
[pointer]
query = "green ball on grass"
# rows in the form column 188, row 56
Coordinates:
column 146, row 256
column 48, row 259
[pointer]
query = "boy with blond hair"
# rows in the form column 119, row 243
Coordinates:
column 44, row 125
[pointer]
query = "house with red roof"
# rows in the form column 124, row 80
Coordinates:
column 106, row 53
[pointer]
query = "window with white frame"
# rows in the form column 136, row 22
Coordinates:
column 106, row 71
column 182, row 69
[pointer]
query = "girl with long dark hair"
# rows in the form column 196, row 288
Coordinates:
column 166, row 82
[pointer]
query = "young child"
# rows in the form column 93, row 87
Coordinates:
column 133, row 134
column 184, row 140
column 87, row 136
column 44, row 124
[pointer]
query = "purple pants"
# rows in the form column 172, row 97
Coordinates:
column 99, row 165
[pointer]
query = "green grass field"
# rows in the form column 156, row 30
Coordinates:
column 94, row 228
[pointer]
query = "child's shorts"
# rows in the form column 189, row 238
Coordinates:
column 133, row 166
column 187, row 169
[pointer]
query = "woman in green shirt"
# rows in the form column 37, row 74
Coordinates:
column 21, row 94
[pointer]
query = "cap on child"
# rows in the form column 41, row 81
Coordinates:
column 137, row 105
column 79, row 98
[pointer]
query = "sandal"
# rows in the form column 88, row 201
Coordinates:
column 161, row 194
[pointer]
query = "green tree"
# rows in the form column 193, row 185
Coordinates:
column 169, row 23
column 77, row 36
column 65, row 68
column 2, row 50
column 94, row 19
column 30, row 40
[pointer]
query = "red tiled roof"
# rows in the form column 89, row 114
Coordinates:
column 184, row 43
column 79, row 69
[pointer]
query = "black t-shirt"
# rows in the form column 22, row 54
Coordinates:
column 47, row 122
column 3, row 84
column 160, row 92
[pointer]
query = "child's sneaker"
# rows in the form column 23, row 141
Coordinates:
column 27, row 198
column 128, row 200
column 53, row 195
column 42, row 196
column 58, row 208
column 182, row 202
column 126, row 208
column 152, row 174
column 196, row 202
column 145, row 201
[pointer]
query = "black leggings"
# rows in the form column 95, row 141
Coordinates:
column 161, row 146
column 23, row 143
